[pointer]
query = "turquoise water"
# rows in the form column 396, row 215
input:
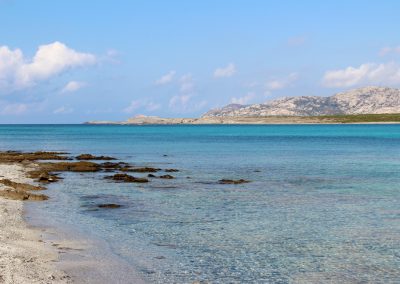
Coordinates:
column 323, row 204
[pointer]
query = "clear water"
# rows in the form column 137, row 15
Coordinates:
column 323, row 204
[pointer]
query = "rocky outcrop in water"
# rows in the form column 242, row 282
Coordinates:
column 233, row 181
column 127, row 178
column 92, row 157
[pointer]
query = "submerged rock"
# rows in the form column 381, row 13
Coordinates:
column 109, row 206
column 232, row 181
column 141, row 170
column 171, row 170
column 92, row 157
column 127, row 178
column 111, row 165
column 167, row 177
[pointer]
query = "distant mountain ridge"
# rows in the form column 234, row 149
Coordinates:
column 367, row 100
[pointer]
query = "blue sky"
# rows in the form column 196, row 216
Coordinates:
column 74, row 61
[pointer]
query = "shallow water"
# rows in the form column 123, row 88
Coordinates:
column 323, row 204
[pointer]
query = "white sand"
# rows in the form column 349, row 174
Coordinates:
column 24, row 258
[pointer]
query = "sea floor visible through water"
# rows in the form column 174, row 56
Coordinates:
column 322, row 204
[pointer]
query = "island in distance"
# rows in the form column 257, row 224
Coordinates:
column 363, row 105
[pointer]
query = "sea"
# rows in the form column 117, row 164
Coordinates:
column 322, row 204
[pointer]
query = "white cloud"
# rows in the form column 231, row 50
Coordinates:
column 14, row 109
column 111, row 56
column 227, row 71
column 167, row 78
column 243, row 100
column 73, row 86
column 368, row 73
column 179, row 101
column 18, row 72
column 187, row 84
column 63, row 110
column 134, row 105
column 151, row 106
column 137, row 104
column 389, row 50
column 281, row 83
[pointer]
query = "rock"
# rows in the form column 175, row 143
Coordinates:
column 111, row 165
column 43, row 176
column 109, row 206
column 22, row 195
column 233, row 181
column 14, row 156
column 37, row 197
column 127, row 178
column 21, row 186
column 167, row 177
column 81, row 166
column 91, row 157
column 171, row 170
column 151, row 176
column 141, row 170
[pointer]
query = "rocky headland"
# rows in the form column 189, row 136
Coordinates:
column 362, row 105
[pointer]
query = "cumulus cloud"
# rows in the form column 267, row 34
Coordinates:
column 226, row 71
column 277, row 84
column 243, row 100
column 389, row 50
column 73, row 86
column 368, row 73
column 167, row 78
column 18, row 72
column 139, row 104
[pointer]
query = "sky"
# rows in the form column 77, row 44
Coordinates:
column 70, row 61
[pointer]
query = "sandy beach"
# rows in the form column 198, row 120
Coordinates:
column 24, row 257
column 44, row 254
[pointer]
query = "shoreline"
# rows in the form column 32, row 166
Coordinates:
column 83, row 257
column 24, row 256
column 33, row 249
